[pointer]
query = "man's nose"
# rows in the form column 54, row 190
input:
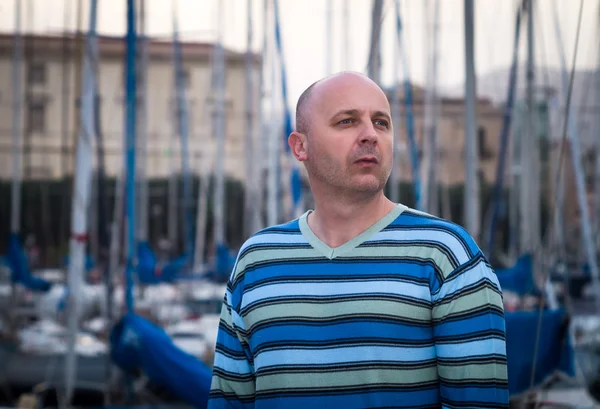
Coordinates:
column 368, row 134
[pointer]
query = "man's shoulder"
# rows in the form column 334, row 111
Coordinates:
column 444, row 232
column 273, row 235
column 268, row 239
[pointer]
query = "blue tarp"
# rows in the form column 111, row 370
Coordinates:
column 225, row 261
column 149, row 271
column 137, row 344
column 518, row 278
column 555, row 351
column 16, row 260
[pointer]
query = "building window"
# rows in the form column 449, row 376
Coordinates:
column 484, row 150
column 36, row 117
column 38, row 172
column 36, row 73
column 187, row 78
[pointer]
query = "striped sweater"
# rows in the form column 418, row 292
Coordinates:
column 408, row 314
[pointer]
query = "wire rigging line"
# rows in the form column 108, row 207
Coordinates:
column 557, row 180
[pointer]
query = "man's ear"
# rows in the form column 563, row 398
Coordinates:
column 297, row 142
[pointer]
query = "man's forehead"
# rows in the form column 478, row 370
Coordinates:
column 350, row 92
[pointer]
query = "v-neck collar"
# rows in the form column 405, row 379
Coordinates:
column 332, row 252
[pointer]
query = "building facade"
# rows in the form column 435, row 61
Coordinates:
column 450, row 168
column 51, row 87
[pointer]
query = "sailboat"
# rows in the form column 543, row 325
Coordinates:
column 136, row 343
column 15, row 257
column 531, row 360
column 540, row 343
column 82, row 368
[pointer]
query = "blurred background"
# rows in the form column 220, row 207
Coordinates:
column 142, row 142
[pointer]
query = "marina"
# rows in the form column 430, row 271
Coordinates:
column 117, row 241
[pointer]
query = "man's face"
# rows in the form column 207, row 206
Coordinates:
column 350, row 136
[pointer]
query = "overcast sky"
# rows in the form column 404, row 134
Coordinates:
column 304, row 29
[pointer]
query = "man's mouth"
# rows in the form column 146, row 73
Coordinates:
column 368, row 160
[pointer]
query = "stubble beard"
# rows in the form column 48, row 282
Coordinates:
column 342, row 177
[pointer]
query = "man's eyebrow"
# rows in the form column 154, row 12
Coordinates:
column 383, row 114
column 356, row 112
column 346, row 112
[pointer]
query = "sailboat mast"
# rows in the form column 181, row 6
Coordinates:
column 16, row 124
column 396, row 119
column 471, row 191
column 597, row 133
column 504, row 145
column 182, row 128
column 172, row 202
column 81, row 198
column 580, row 185
column 66, row 101
column 409, row 115
column 79, row 57
column 219, row 127
column 426, row 142
column 533, row 188
column 294, row 175
column 172, row 205
column 274, row 147
column 374, row 69
column 558, row 216
column 206, row 166
column 514, row 194
column 432, row 133
column 263, row 134
column 115, row 234
column 251, row 174
column 526, row 233
column 143, row 128
column 201, row 216
column 102, row 226
column 430, row 197
column 130, row 130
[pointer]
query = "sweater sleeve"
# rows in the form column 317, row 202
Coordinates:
column 469, row 331
column 233, row 381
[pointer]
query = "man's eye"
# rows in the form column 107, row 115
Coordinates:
column 382, row 122
column 346, row 121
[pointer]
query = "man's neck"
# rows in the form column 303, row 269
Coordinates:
column 336, row 222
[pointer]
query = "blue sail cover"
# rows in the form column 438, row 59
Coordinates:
column 555, row 350
column 518, row 278
column 295, row 179
column 221, row 269
column 19, row 266
column 225, row 262
column 137, row 344
column 296, row 186
column 149, row 271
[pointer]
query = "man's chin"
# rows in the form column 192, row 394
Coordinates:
column 368, row 184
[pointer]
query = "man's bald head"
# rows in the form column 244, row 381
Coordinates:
column 303, row 112
column 339, row 120
column 302, row 116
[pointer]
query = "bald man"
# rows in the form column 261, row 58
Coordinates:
column 361, row 302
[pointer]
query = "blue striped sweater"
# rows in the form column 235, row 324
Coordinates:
column 408, row 314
